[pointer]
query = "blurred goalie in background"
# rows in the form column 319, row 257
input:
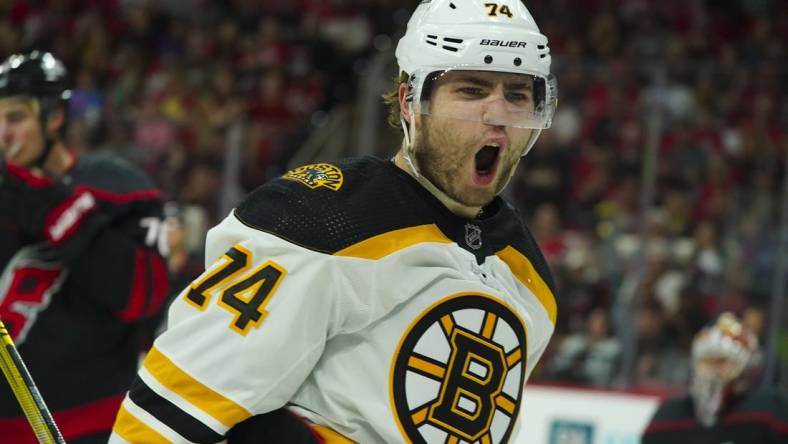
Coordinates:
column 724, row 403
column 376, row 300
column 81, row 254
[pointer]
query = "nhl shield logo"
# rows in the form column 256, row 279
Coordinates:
column 473, row 236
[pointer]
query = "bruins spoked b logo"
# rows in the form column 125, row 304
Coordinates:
column 458, row 372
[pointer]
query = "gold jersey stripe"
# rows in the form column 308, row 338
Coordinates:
column 329, row 436
column 527, row 275
column 419, row 416
column 448, row 325
column 130, row 428
column 505, row 405
column 427, row 367
column 513, row 358
column 385, row 244
column 452, row 440
column 486, row 439
column 489, row 325
column 224, row 410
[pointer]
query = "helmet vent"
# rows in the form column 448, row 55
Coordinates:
column 454, row 40
column 544, row 51
column 451, row 5
column 449, row 43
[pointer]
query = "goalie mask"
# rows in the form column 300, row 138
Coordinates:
column 493, row 50
column 723, row 357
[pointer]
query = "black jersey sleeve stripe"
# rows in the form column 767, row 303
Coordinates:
column 278, row 426
column 170, row 414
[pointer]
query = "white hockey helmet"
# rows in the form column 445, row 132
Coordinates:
column 446, row 36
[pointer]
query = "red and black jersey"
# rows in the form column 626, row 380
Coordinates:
column 759, row 417
column 78, row 309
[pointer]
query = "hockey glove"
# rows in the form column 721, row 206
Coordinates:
column 49, row 210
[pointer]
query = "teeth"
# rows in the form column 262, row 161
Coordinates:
column 497, row 145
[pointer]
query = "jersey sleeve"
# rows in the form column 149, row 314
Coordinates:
column 260, row 296
column 127, row 248
column 105, row 215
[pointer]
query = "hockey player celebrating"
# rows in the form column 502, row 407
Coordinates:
column 723, row 403
column 79, row 258
column 378, row 300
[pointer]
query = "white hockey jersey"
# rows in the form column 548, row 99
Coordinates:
column 353, row 297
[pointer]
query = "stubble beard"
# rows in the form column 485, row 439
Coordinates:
column 443, row 167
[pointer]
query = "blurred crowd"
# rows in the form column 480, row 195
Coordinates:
column 702, row 83
column 165, row 83
column 161, row 82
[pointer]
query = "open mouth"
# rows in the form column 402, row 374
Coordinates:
column 486, row 162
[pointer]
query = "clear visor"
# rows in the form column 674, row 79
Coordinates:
column 494, row 98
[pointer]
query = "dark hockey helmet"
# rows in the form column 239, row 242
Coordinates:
column 38, row 75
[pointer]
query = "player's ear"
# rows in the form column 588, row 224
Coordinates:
column 404, row 102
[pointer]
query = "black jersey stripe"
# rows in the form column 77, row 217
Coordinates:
column 278, row 426
column 169, row 375
column 165, row 411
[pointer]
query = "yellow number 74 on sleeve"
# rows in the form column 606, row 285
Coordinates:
column 242, row 292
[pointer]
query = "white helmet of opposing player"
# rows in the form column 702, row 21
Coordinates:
column 452, row 37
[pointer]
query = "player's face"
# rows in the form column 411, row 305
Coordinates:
column 717, row 368
column 468, row 159
column 21, row 138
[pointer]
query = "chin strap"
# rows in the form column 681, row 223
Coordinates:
column 531, row 142
column 49, row 143
column 45, row 109
column 450, row 203
column 409, row 155
column 408, row 149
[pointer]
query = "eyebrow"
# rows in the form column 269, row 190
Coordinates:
column 481, row 82
column 15, row 110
